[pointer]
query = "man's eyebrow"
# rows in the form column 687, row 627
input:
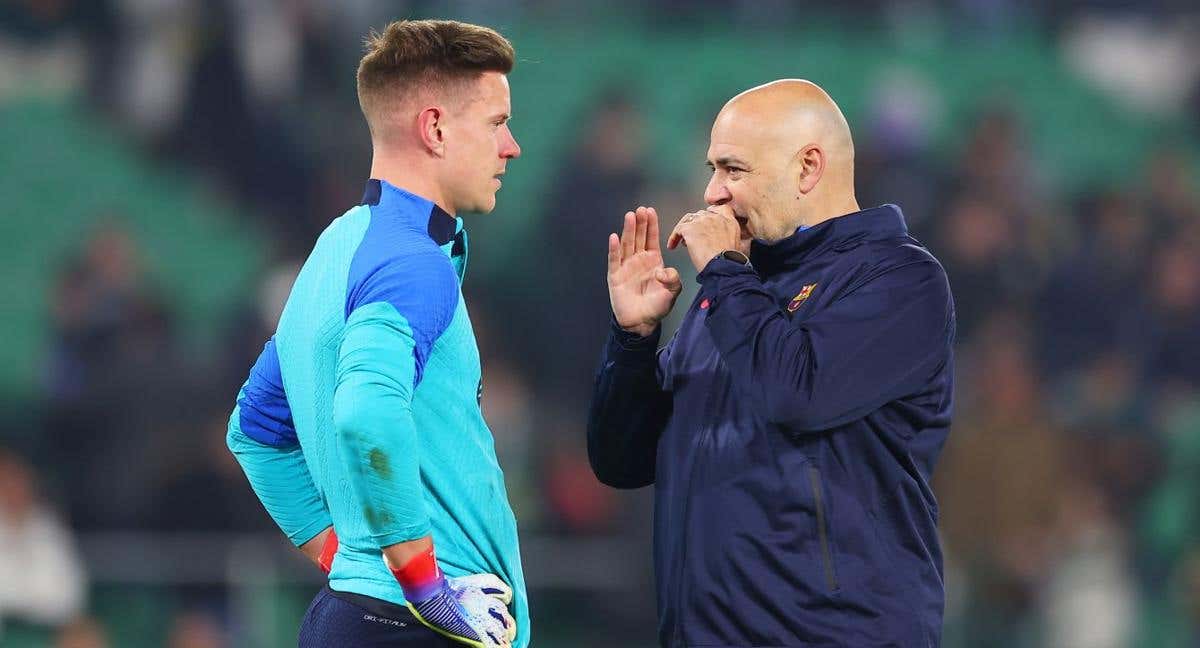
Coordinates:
column 501, row 117
column 727, row 160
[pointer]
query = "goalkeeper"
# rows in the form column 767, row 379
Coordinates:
column 362, row 413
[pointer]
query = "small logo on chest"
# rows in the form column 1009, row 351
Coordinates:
column 801, row 297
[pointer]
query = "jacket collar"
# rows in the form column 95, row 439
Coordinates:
column 420, row 212
column 876, row 223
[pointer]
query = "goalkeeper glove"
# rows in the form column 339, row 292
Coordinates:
column 470, row 609
column 329, row 549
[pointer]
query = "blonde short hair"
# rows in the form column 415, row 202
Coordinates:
column 414, row 55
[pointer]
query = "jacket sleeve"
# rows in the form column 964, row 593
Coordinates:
column 396, row 312
column 262, row 437
column 629, row 410
column 882, row 340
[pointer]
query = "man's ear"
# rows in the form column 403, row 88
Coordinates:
column 811, row 160
column 430, row 126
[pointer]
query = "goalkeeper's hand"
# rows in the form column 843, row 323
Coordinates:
column 471, row 609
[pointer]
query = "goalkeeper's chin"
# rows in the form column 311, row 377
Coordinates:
column 484, row 205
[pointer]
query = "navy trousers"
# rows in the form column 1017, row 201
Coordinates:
column 345, row 620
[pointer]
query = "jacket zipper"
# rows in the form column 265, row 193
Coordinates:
column 822, row 531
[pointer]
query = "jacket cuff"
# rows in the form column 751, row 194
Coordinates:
column 628, row 348
column 720, row 275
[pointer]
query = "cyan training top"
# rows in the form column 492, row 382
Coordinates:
column 363, row 410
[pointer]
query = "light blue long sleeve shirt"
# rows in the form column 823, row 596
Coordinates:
column 363, row 409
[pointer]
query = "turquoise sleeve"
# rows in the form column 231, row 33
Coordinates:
column 280, row 478
column 373, row 423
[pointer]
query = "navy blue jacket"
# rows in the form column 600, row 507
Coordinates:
column 790, row 428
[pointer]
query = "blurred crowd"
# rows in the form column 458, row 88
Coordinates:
column 1066, row 488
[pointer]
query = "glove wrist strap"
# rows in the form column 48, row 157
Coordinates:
column 420, row 577
column 328, row 550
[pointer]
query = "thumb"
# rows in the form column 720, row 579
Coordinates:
column 669, row 278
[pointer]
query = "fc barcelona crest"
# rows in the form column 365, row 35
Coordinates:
column 799, row 299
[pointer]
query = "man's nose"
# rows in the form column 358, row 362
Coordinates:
column 716, row 193
column 511, row 149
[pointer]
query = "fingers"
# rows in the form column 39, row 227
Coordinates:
column 485, row 598
column 724, row 211
column 503, row 627
column 614, row 254
column 669, row 278
column 628, row 236
column 496, row 640
column 677, row 234
column 489, row 584
column 643, row 221
column 652, row 243
column 638, row 232
column 675, row 238
column 501, row 614
column 512, row 626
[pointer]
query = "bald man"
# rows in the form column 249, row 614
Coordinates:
column 791, row 425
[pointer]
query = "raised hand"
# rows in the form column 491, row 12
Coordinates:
column 641, row 289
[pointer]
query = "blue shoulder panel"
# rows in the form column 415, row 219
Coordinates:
column 264, row 412
column 400, row 265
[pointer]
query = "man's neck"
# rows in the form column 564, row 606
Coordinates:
column 409, row 176
column 845, row 205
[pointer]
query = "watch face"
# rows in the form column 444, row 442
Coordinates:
column 736, row 257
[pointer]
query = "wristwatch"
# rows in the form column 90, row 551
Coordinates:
column 735, row 256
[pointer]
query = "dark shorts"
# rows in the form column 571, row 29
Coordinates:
column 342, row 619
